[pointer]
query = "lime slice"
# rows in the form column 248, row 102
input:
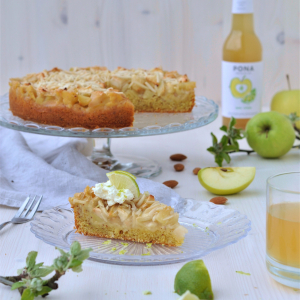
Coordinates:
column 125, row 173
column 124, row 180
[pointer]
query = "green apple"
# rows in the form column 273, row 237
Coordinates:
column 226, row 181
column 270, row 134
column 287, row 102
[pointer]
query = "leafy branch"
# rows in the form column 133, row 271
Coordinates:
column 229, row 141
column 228, row 144
column 29, row 280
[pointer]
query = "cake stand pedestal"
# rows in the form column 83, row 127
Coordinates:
column 139, row 166
column 145, row 124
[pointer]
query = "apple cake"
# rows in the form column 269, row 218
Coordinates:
column 96, row 97
column 142, row 219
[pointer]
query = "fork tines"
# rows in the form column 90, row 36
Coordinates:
column 26, row 210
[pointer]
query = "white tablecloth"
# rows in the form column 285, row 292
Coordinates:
column 104, row 281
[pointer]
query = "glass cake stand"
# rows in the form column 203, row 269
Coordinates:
column 145, row 124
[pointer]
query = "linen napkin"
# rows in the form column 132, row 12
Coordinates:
column 57, row 168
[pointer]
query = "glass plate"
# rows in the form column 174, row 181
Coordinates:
column 210, row 227
column 204, row 112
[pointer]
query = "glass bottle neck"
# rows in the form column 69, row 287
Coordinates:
column 243, row 22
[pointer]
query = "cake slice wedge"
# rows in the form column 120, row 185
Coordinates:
column 141, row 219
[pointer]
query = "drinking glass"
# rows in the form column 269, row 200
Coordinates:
column 283, row 228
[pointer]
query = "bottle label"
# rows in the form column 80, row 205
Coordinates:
column 242, row 6
column 241, row 89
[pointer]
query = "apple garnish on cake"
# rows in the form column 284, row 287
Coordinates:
column 116, row 210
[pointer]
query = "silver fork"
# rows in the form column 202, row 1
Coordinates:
column 23, row 215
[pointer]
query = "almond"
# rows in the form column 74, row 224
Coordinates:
column 178, row 157
column 196, row 170
column 170, row 183
column 179, row 167
column 218, row 200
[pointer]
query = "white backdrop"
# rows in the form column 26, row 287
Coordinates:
column 186, row 36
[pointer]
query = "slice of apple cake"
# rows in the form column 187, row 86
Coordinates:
column 141, row 219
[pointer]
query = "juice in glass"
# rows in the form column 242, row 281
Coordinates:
column 283, row 228
column 283, row 232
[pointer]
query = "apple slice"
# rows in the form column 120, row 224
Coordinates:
column 226, row 181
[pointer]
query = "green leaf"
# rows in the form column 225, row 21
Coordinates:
column 236, row 145
column 18, row 284
column 215, row 141
column 84, row 254
column 211, row 150
column 224, row 140
column 38, row 265
column 75, row 263
column 232, row 122
column 30, row 260
column 62, row 252
column 293, row 117
column 231, row 148
column 224, row 128
column 45, row 290
column 75, row 248
column 77, row 269
column 27, row 295
column 219, row 160
column 41, row 272
column 226, row 157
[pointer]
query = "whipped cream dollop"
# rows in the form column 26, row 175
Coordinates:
column 110, row 193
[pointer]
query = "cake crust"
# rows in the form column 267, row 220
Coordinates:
column 118, row 116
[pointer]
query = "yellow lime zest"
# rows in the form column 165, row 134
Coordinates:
column 145, row 254
column 206, row 229
column 219, row 223
column 113, row 249
column 147, row 293
column 106, row 242
column 122, row 252
column 124, row 244
column 243, row 273
column 148, row 245
column 195, row 225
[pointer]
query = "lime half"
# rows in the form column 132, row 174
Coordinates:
column 124, row 180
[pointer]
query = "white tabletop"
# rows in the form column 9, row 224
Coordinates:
column 105, row 281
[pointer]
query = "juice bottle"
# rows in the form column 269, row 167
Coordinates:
column 242, row 67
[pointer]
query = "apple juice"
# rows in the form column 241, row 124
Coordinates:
column 283, row 233
column 242, row 67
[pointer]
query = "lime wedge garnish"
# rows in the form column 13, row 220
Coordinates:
column 124, row 180
column 125, row 173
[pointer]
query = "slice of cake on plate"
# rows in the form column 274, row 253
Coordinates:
column 116, row 210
